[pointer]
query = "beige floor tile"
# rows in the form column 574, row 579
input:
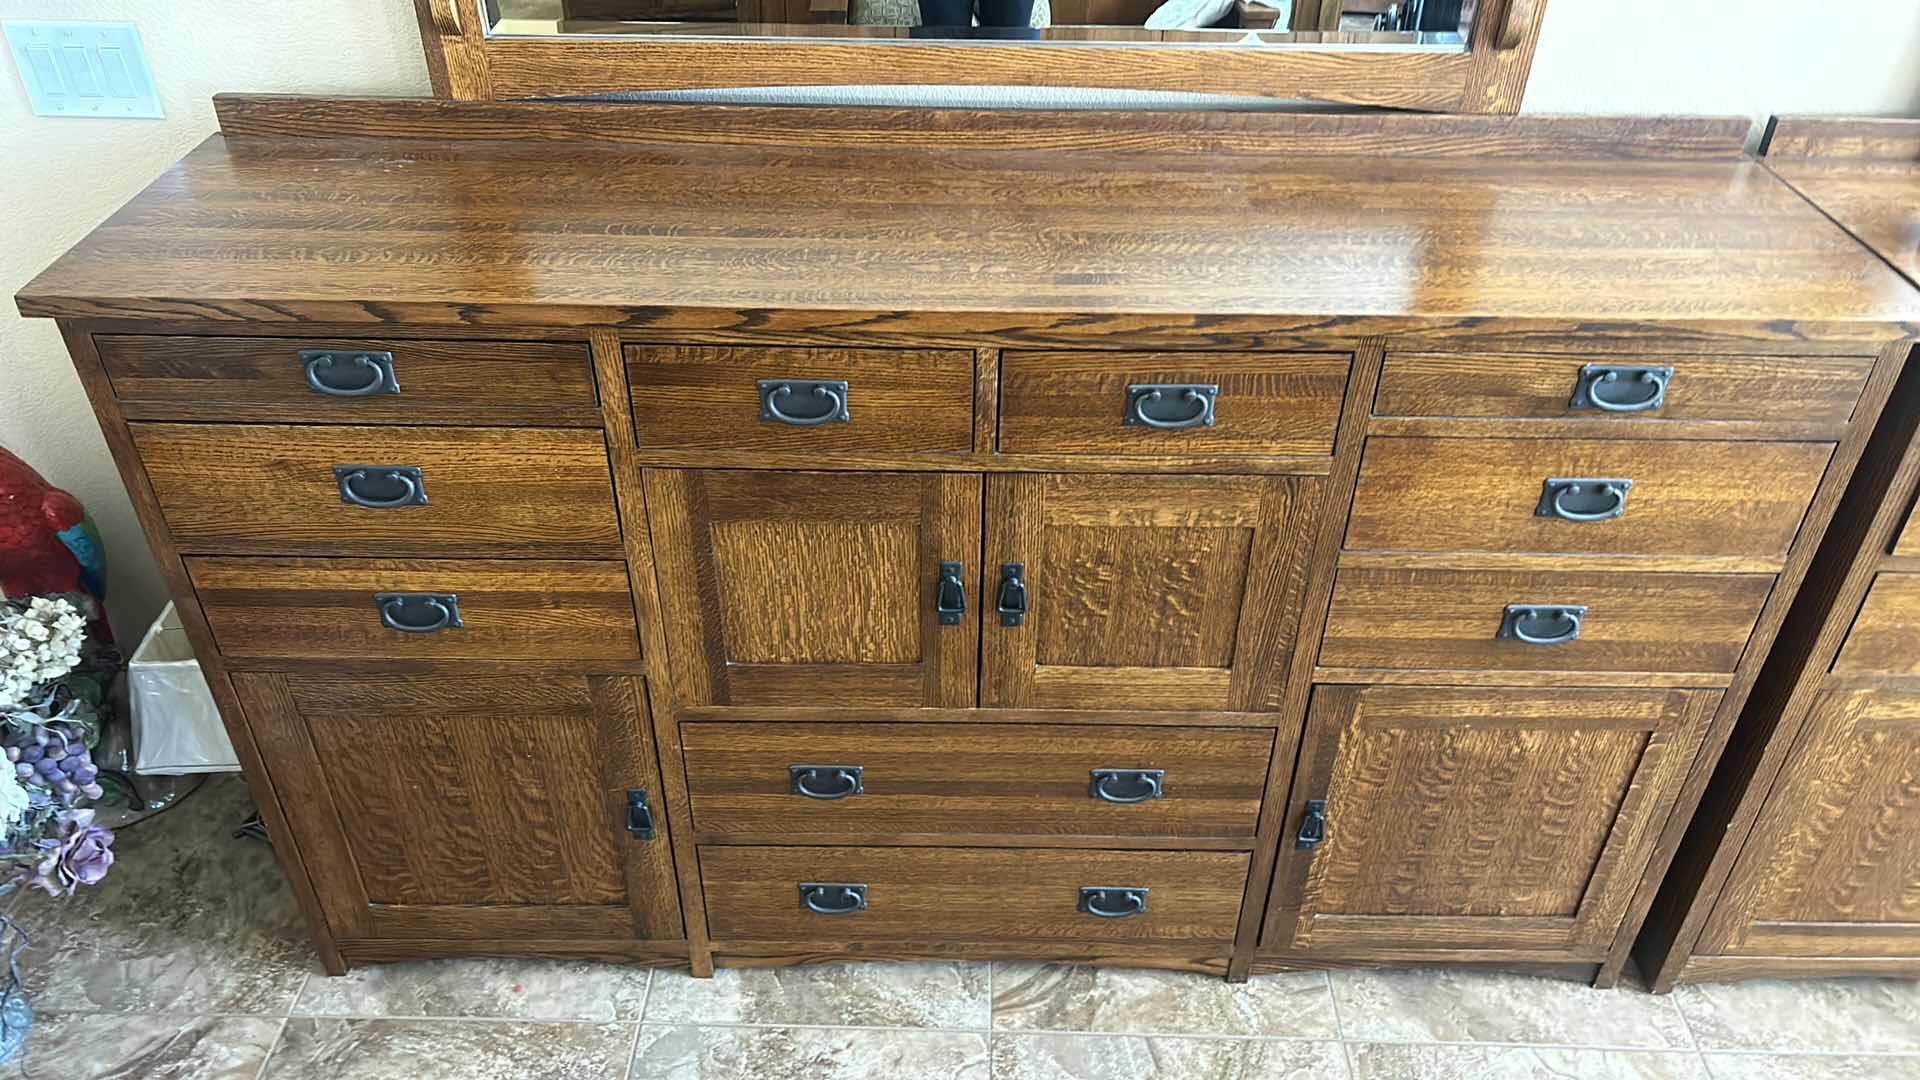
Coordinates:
column 1459, row 1005
column 506, row 989
column 328, row 1049
column 86, row 1046
column 1412, row 1061
column 859, row 995
column 189, row 920
column 1723, row 1066
column 691, row 1052
column 1162, row 1057
column 1845, row 1015
column 1036, row 997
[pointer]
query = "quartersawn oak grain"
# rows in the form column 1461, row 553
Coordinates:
column 1885, row 639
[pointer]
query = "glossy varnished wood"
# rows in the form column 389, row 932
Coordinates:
column 1885, row 637
column 1688, row 499
column 931, row 778
column 978, row 894
column 292, row 609
column 273, row 489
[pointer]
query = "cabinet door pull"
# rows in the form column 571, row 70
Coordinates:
column 1126, row 785
column 1112, row 902
column 639, row 814
column 1583, row 499
column 1012, row 604
column 1313, row 826
column 1543, row 624
column 826, row 782
column 365, row 373
column 950, row 599
column 829, row 398
column 400, row 611
column 1616, row 389
column 365, row 485
column 831, row 899
column 1196, row 398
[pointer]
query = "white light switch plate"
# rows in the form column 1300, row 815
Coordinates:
column 92, row 69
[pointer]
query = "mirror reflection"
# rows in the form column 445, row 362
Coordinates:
column 1430, row 25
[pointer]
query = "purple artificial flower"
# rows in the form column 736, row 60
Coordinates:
column 79, row 856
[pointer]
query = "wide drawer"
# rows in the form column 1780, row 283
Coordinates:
column 418, row 490
column 1885, row 638
column 963, row 894
column 1760, row 389
column 355, row 381
column 805, row 400
column 1155, row 404
column 924, row 778
column 1454, row 620
column 346, row 609
column 1555, row 495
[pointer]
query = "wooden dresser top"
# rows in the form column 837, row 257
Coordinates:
column 364, row 212
column 1864, row 173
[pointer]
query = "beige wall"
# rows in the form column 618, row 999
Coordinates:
column 60, row 177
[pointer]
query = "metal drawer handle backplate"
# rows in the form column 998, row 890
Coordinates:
column 820, row 402
column 419, row 612
column 1126, row 785
column 1193, row 408
column 1616, row 389
column 950, row 597
column 349, row 374
column 826, row 782
column 1113, row 902
column 1012, row 602
column 380, row 487
column 1543, row 624
column 1582, row 499
column 833, row 899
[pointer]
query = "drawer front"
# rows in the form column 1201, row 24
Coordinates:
column 1104, row 403
column 1453, row 620
column 357, row 381
column 271, row 488
column 508, row 609
column 805, row 400
column 1087, row 780
column 1885, row 638
column 1502, row 495
column 1908, row 542
column 1759, row 389
column 962, row 894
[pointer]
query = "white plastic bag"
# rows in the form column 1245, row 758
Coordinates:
column 176, row 728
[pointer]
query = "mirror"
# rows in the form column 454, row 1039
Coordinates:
column 1345, row 25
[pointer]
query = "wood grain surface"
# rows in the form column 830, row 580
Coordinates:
column 1687, row 499
column 941, row 778
column 298, row 609
column 1885, row 639
column 1877, row 201
column 1076, row 402
column 272, row 489
column 979, row 894
column 1693, row 624
column 900, row 400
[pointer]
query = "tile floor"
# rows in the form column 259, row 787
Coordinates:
column 191, row 961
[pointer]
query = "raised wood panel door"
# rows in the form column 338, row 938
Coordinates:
column 1473, row 819
column 1832, row 867
column 817, row 588
column 457, row 806
column 1146, row 592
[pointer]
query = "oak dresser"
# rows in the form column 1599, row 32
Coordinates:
column 1805, row 857
column 1224, row 542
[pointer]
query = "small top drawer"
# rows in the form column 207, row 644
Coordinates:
column 810, row 400
column 1155, row 404
column 1759, row 389
column 353, row 381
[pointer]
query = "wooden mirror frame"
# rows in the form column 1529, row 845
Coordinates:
column 1489, row 77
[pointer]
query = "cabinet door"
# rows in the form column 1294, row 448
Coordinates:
column 444, row 806
column 1468, row 819
column 1146, row 592
column 1832, row 867
column 817, row 588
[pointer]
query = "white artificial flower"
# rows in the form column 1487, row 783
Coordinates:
column 13, row 801
column 38, row 644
